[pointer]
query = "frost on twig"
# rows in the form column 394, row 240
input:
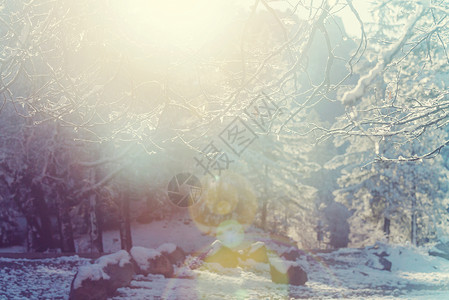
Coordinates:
column 352, row 96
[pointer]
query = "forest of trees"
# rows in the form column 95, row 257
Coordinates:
column 343, row 137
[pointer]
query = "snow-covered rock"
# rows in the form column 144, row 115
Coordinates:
column 90, row 283
column 441, row 249
column 279, row 265
column 407, row 258
column 293, row 254
column 102, row 278
column 286, row 272
column 167, row 247
column 92, row 272
column 256, row 252
column 151, row 261
column 377, row 257
column 222, row 255
column 386, row 264
column 174, row 253
column 120, row 258
column 142, row 256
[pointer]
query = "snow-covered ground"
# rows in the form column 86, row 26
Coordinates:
column 38, row 278
column 180, row 231
column 340, row 274
column 343, row 274
column 347, row 273
column 13, row 249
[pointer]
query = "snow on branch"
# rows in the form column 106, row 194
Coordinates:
column 429, row 155
column 351, row 97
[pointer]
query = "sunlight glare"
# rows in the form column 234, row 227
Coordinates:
column 179, row 23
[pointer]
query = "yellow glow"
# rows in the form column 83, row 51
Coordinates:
column 221, row 198
column 230, row 233
column 228, row 198
column 174, row 22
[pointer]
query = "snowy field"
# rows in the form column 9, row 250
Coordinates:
column 37, row 278
column 344, row 274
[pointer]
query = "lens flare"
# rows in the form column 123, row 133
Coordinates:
column 230, row 233
column 228, row 197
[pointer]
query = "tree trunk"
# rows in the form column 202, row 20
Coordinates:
column 387, row 227
column 96, row 233
column 413, row 220
column 264, row 214
column 286, row 211
column 413, row 229
column 44, row 228
column 125, row 226
column 319, row 233
column 413, row 237
column 32, row 226
column 265, row 202
column 67, row 243
column 33, row 237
